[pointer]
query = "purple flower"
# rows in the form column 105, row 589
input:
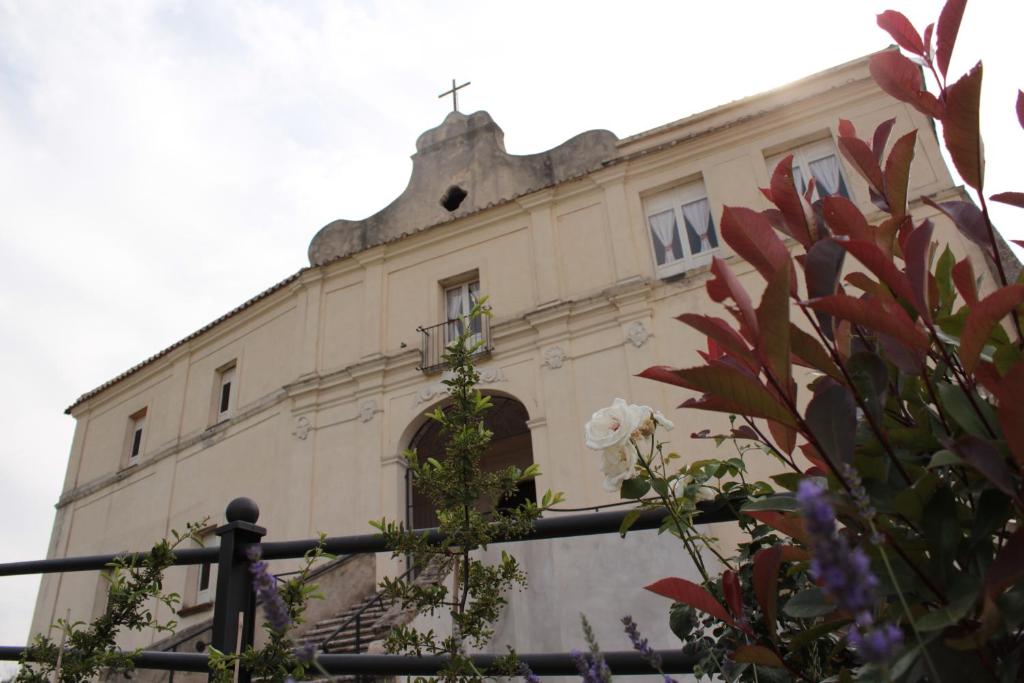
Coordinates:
column 265, row 585
column 527, row 673
column 305, row 652
column 591, row 668
column 844, row 572
column 641, row 645
column 876, row 644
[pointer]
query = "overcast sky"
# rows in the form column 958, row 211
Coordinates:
column 161, row 162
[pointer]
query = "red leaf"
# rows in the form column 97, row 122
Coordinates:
column 901, row 78
column 928, row 31
column 915, row 254
column 1010, row 393
column 766, row 583
column 846, row 129
column 983, row 316
column 724, row 285
column 967, row 218
column 773, row 322
column 809, row 351
column 882, row 266
column 845, row 218
column 791, row 525
column 902, row 31
column 1011, row 198
column 793, row 207
column 1008, row 567
column 881, row 315
column 963, row 278
column 897, row 174
column 949, row 26
column 785, row 437
column 881, row 136
column 751, row 236
column 863, row 160
column 1020, row 107
column 757, row 654
column 692, row 595
column 960, row 127
column 719, row 330
column 741, row 392
column 733, row 593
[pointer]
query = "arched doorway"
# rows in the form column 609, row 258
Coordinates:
column 510, row 445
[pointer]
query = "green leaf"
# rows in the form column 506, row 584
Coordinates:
column 958, row 406
column 628, row 521
column 947, row 615
column 634, row 488
column 784, row 502
column 945, row 458
column 832, row 418
column 808, row 604
column 871, row 380
column 757, row 654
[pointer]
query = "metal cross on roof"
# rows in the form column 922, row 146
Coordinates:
column 454, row 92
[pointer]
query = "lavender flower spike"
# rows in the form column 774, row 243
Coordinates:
column 527, row 673
column 265, row 585
column 641, row 645
column 844, row 572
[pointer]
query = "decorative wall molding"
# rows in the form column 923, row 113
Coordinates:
column 429, row 392
column 302, row 428
column 637, row 334
column 367, row 409
column 554, row 357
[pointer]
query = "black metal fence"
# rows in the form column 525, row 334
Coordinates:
column 235, row 601
column 436, row 339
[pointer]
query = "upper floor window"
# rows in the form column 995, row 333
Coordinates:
column 682, row 230
column 225, row 392
column 459, row 301
column 816, row 160
column 136, row 429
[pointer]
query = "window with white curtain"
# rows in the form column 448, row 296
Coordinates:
column 459, row 301
column 820, row 161
column 681, row 228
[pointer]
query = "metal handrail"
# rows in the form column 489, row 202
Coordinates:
column 586, row 524
column 378, row 599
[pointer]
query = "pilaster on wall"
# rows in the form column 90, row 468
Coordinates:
column 309, row 300
column 375, row 310
column 620, row 230
column 542, row 238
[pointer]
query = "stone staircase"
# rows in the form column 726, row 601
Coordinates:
column 363, row 625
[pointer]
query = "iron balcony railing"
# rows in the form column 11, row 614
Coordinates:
column 436, row 339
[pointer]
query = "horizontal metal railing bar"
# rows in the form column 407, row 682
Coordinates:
column 546, row 664
column 83, row 563
column 561, row 526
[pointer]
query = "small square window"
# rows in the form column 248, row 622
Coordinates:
column 816, row 160
column 136, row 431
column 225, row 393
column 681, row 228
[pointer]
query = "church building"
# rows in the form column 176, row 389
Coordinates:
column 305, row 397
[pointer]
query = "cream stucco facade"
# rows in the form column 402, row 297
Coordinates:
column 326, row 392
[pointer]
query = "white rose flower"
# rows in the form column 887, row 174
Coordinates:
column 611, row 427
column 663, row 421
column 618, row 464
column 680, row 483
